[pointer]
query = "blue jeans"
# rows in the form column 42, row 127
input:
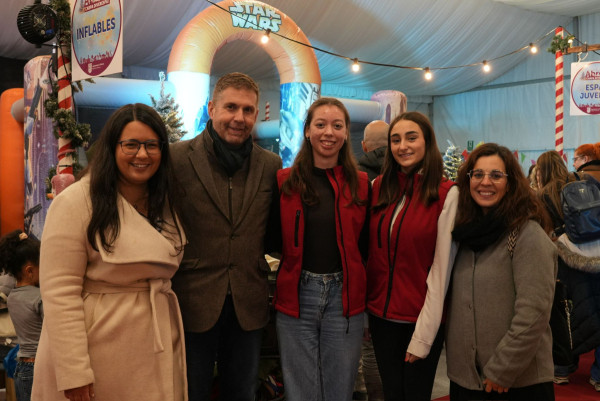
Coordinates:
column 319, row 350
column 595, row 370
column 23, row 379
column 237, row 353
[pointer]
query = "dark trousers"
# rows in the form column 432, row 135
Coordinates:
column 537, row 392
column 403, row 381
column 236, row 352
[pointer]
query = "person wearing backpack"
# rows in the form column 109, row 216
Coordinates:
column 579, row 258
column 587, row 159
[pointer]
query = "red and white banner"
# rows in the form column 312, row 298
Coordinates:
column 96, row 38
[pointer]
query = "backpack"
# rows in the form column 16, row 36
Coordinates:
column 581, row 208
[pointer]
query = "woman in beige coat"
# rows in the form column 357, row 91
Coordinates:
column 112, row 327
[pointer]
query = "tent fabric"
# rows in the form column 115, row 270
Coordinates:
column 425, row 33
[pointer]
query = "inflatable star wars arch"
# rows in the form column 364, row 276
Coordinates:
column 194, row 49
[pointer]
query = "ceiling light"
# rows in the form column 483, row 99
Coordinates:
column 265, row 37
column 428, row 74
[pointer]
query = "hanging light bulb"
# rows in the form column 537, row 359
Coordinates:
column 355, row 65
column 486, row 66
column 428, row 74
column 265, row 37
column 533, row 48
column 570, row 41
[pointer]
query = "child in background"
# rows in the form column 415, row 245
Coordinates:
column 19, row 256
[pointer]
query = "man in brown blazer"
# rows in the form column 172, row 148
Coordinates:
column 230, row 204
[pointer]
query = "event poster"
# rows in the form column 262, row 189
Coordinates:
column 585, row 88
column 97, row 38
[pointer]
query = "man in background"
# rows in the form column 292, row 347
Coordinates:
column 374, row 143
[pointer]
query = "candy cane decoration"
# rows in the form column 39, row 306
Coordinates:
column 267, row 111
column 65, row 149
column 64, row 169
column 559, row 79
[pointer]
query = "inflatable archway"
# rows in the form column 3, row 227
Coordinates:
column 196, row 45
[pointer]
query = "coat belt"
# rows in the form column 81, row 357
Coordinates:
column 156, row 288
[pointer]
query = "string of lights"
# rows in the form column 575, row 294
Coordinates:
column 428, row 71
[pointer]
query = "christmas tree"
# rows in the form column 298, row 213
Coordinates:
column 169, row 111
column 452, row 161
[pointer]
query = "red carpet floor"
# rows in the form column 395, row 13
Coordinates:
column 578, row 388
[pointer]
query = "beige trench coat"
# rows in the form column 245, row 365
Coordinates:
column 110, row 319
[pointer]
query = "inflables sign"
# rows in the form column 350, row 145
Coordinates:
column 585, row 88
column 96, row 38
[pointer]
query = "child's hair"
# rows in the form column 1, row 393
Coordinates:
column 16, row 250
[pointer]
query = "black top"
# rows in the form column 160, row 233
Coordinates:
column 321, row 254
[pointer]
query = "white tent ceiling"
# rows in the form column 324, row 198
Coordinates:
column 424, row 33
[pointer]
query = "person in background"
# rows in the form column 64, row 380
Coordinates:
column 532, row 176
column 410, row 258
column 222, row 283
column 552, row 176
column 587, row 159
column 374, row 144
column 320, row 294
column 498, row 339
column 111, row 243
column 20, row 257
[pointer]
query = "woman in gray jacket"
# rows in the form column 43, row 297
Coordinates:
column 498, row 340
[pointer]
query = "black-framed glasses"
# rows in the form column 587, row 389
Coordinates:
column 479, row 175
column 132, row 146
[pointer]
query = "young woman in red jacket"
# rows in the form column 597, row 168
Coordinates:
column 321, row 281
column 410, row 258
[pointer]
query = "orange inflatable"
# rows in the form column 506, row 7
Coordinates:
column 12, row 181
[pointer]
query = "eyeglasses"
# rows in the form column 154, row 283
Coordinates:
column 479, row 175
column 577, row 157
column 132, row 146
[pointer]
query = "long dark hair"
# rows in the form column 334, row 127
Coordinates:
column 299, row 179
column 163, row 189
column 518, row 205
column 553, row 177
column 16, row 250
column 431, row 167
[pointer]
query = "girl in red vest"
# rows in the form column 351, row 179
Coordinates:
column 321, row 280
column 410, row 258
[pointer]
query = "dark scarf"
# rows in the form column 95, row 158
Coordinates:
column 481, row 232
column 230, row 157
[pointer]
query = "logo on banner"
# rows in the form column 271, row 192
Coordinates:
column 95, row 34
column 254, row 16
column 585, row 88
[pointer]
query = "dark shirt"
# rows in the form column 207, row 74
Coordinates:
column 321, row 254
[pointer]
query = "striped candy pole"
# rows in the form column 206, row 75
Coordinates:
column 559, row 79
column 65, row 150
column 267, row 111
column 64, row 168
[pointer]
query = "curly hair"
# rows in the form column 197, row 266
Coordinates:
column 16, row 251
column 163, row 188
column 519, row 204
column 301, row 171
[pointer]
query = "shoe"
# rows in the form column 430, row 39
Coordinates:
column 595, row 383
column 563, row 380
